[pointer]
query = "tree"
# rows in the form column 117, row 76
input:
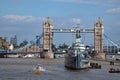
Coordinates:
column 54, row 47
column 4, row 47
column 63, row 46
column 25, row 42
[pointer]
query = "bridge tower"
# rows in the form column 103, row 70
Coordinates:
column 47, row 39
column 99, row 39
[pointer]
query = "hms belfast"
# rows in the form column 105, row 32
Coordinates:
column 77, row 57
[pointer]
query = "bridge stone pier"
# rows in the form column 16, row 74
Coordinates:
column 48, row 30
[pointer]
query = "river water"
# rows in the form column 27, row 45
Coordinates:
column 22, row 69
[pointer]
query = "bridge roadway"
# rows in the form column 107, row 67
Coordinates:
column 72, row 30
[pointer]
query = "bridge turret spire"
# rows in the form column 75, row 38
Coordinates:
column 99, row 20
column 48, row 21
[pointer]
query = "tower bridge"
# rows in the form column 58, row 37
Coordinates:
column 48, row 31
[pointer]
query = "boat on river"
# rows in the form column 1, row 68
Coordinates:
column 77, row 56
column 39, row 69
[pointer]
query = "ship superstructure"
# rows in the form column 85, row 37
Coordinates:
column 77, row 57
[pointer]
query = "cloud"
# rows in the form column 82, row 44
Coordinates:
column 113, row 2
column 113, row 11
column 18, row 18
column 25, row 27
column 18, row 23
column 78, row 1
column 75, row 20
column 94, row 2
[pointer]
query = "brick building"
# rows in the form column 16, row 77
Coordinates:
column 3, row 43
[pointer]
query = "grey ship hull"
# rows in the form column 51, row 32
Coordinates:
column 75, row 62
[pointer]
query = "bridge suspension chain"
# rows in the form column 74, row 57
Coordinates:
column 115, row 47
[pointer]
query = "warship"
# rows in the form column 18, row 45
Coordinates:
column 77, row 56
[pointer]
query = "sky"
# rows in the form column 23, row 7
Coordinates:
column 24, row 18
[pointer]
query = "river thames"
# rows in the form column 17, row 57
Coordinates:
column 22, row 69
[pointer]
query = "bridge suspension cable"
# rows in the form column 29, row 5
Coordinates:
column 36, row 42
column 111, row 49
column 111, row 41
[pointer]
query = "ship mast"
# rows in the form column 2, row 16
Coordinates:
column 78, row 36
